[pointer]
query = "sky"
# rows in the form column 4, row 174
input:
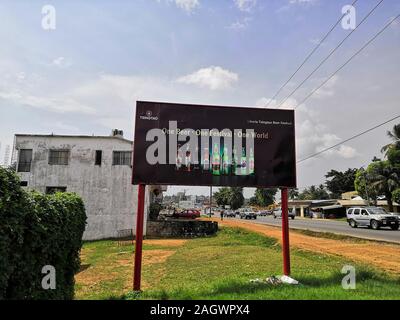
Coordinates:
column 84, row 76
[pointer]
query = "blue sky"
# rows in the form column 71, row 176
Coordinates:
column 85, row 76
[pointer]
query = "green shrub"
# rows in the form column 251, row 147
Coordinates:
column 48, row 230
column 13, row 205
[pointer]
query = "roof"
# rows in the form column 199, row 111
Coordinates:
column 353, row 202
column 335, row 206
column 71, row 136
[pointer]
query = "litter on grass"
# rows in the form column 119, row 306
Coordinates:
column 276, row 280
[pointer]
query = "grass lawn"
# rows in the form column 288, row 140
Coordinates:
column 220, row 267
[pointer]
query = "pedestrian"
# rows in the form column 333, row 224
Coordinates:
column 222, row 215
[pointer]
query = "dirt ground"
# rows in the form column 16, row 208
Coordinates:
column 383, row 256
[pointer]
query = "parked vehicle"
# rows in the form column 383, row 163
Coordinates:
column 230, row 214
column 396, row 214
column 262, row 213
column 189, row 213
column 372, row 217
column 278, row 213
column 247, row 213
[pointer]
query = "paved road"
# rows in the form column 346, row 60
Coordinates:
column 338, row 227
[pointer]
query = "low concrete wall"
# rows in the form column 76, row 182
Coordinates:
column 181, row 228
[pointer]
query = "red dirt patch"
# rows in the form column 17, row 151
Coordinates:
column 383, row 256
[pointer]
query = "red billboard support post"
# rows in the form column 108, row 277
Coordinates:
column 139, row 238
column 285, row 232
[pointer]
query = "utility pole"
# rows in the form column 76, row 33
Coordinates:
column 366, row 185
column 210, row 200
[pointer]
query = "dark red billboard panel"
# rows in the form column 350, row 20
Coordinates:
column 182, row 144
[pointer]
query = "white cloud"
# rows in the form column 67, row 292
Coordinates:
column 60, row 62
column 214, row 78
column 288, row 104
column 293, row 3
column 240, row 24
column 245, row 5
column 311, row 135
column 56, row 104
column 187, row 5
column 328, row 90
column 303, row 2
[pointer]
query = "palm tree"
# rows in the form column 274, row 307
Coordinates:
column 385, row 179
column 293, row 194
column 394, row 135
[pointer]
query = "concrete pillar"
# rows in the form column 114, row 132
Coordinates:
column 302, row 211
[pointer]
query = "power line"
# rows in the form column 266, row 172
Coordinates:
column 330, row 54
column 308, row 57
column 347, row 62
column 349, row 139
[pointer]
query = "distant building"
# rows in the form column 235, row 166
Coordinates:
column 98, row 168
column 7, row 152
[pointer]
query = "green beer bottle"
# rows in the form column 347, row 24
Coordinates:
column 251, row 161
column 225, row 162
column 235, row 162
column 243, row 162
column 216, row 161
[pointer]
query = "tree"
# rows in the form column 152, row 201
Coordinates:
column 253, row 201
column 340, row 182
column 394, row 135
column 314, row 193
column 393, row 156
column 363, row 186
column 293, row 193
column 384, row 178
column 229, row 196
column 396, row 195
column 236, row 198
column 223, row 196
column 265, row 197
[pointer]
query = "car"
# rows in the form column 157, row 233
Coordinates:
column 247, row 213
column 396, row 214
column 230, row 214
column 278, row 213
column 371, row 217
column 189, row 213
column 262, row 213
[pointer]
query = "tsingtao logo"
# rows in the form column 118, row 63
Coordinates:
column 148, row 116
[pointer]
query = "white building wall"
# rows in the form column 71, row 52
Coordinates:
column 110, row 198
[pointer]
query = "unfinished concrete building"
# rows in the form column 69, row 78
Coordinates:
column 98, row 168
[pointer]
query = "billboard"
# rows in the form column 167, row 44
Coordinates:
column 183, row 144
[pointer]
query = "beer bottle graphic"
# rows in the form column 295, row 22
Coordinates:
column 206, row 159
column 225, row 162
column 195, row 164
column 216, row 160
column 188, row 160
column 179, row 159
column 251, row 161
column 235, row 163
column 243, row 161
